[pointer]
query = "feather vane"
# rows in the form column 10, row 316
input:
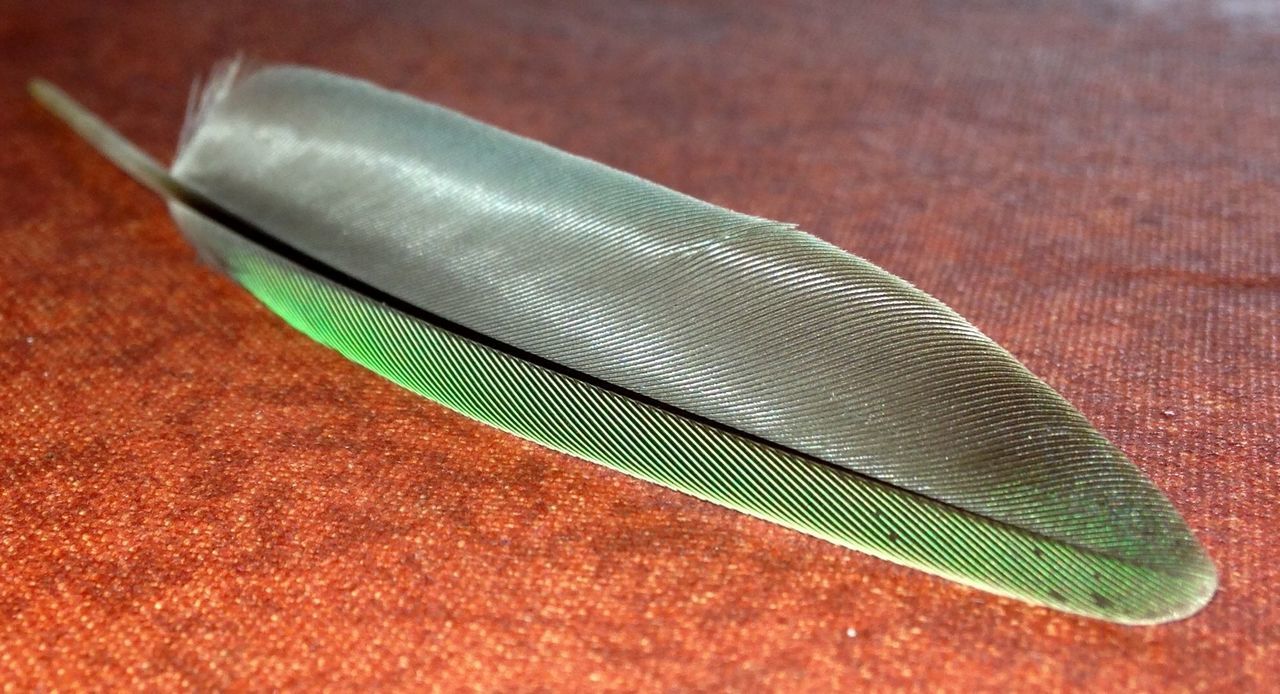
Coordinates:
column 730, row 357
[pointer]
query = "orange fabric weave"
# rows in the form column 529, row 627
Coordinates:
column 192, row 494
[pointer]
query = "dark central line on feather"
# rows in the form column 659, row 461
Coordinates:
column 252, row 233
column 145, row 170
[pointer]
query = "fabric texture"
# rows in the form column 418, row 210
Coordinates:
column 193, row 494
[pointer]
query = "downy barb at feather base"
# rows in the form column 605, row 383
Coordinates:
column 730, row 357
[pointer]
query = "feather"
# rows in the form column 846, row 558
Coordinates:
column 730, row 357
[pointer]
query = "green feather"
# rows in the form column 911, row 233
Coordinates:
column 879, row 420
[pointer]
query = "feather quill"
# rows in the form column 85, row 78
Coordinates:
column 730, row 357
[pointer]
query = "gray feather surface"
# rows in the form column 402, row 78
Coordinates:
column 596, row 291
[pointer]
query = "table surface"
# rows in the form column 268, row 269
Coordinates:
column 192, row 494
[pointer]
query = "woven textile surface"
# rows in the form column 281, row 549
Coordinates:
column 192, row 494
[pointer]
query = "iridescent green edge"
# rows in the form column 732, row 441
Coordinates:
column 569, row 415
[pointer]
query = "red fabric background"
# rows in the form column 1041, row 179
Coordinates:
column 193, row 494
